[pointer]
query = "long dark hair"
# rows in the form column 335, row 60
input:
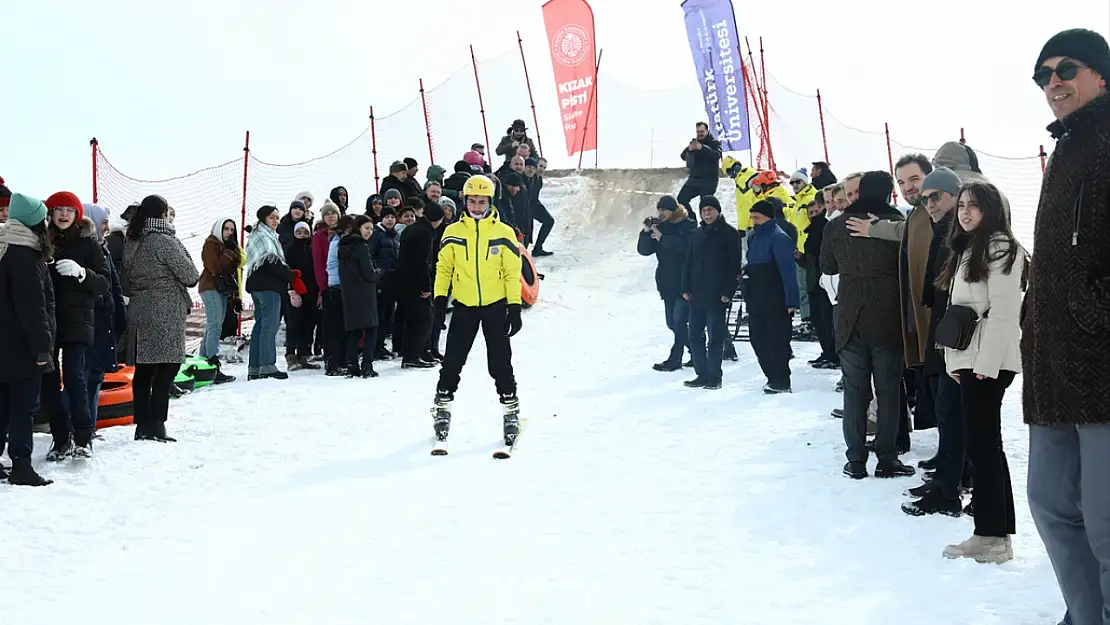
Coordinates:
column 152, row 207
column 994, row 225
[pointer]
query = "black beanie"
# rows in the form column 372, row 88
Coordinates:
column 709, row 200
column 388, row 210
column 410, row 161
column 764, row 207
column 433, row 211
column 667, row 203
column 1080, row 44
column 263, row 212
column 876, row 185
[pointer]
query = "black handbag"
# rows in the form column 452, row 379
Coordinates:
column 227, row 285
column 957, row 326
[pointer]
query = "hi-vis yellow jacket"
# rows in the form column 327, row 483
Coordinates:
column 800, row 217
column 479, row 262
column 745, row 197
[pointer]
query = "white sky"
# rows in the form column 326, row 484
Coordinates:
column 171, row 87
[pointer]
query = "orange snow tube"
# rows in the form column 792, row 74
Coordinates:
column 116, row 402
column 529, row 279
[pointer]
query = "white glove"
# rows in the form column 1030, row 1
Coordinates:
column 71, row 269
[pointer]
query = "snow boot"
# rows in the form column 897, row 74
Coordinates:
column 698, row 382
column 933, row 503
column 23, row 474
column 353, row 371
column 307, row 364
column 292, row 363
column 82, row 446
column 221, row 377
column 983, row 549
column 668, row 365
column 368, row 370
column 510, row 415
column 60, row 450
column 154, row 432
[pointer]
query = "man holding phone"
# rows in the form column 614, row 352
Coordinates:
column 703, row 160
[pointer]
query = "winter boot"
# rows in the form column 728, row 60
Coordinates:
column 23, row 474
column 539, row 252
column 698, row 382
column 855, row 470
column 60, row 450
column 154, row 432
column 982, row 549
column 933, row 503
column 221, row 377
column 668, row 365
column 82, row 446
column 3, row 472
column 368, row 369
column 292, row 363
column 893, row 468
column 510, row 414
column 306, row 364
column 354, row 371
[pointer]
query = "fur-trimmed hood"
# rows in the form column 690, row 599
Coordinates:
column 678, row 214
column 85, row 229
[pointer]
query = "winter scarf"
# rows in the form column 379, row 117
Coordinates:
column 263, row 247
column 159, row 225
column 15, row 233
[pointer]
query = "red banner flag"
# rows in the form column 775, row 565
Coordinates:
column 570, row 33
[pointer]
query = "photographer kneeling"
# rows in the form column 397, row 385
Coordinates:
column 666, row 236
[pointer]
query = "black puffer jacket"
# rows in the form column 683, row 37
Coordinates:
column 298, row 254
column 712, row 267
column 455, row 181
column 27, row 327
column 670, row 252
column 385, row 246
column 412, row 273
column 359, row 280
column 75, row 302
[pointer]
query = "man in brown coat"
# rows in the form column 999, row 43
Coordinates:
column 1065, row 338
column 868, row 328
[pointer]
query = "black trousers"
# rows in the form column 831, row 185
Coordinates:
column 368, row 338
column 151, row 387
column 387, row 305
column 695, row 187
column 677, row 312
column 18, row 402
column 335, row 343
column 821, row 316
column 465, row 321
column 418, row 315
column 300, row 326
column 707, row 356
column 547, row 222
column 770, row 333
column 861, row 362
column 993, row 496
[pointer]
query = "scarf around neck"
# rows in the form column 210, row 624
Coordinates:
column 263, row 246
column 15, row 233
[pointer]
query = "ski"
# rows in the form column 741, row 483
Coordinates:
column 440, row 448
column 505, row 452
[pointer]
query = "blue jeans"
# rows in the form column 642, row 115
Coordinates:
column 708, row 320
column 803, row 292
column 96, row 380
column 215, row 308
column 263, row 351
column 678, row 317
column 69, row 408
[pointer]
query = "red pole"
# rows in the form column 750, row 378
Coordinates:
column 528, row 82
column 427, row 123
column 890, row 156
column 765, row 140
column 824, row 138
column 374, row 149
column 747, row 112
column 243, row 218
column 758, row 112
column 766, row 104
column 589, row 109
column 96, row 169
column 481, row 102
column 1043, row 156
column 963, row 141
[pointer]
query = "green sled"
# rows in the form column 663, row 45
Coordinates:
column 200, row 370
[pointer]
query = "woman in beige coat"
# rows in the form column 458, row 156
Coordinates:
column 984, row 273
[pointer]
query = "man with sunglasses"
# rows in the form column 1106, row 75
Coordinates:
column 1066, row 327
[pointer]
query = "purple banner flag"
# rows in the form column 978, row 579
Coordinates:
column 715, row 44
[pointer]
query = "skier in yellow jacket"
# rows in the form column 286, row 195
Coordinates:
column 805, row 194
column 479, row 264
column 745, row 197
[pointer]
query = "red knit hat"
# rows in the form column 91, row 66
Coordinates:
column 65, row 198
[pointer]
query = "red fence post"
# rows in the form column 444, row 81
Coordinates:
column 748, row 80
column 427, row 123
column 589, row 108
column 374, row 149
column 824, row 138
column 963, row 141
column 528, row 82
column 1043, row 155
column 243, row 218
column 890, row 158
column 766, row 105
column 96, row 169
column 481, row 102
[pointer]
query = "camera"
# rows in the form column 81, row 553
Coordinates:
column 651, row 222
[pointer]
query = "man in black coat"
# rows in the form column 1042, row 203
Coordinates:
column 709, row 279
column 398, row 174
column 868, row 328
column 668, row 238
column 413, row 277
column 533, row 177
column 820, row 306
column 517, row 194
column 80, row 279
column 703, row 160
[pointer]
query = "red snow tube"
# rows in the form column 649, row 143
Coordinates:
column 116, row 402
column 529, row 279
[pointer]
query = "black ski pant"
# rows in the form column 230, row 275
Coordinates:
column 387, row 305
column 151, row 388
column 860, row 362
column 69, row 407
column 418, row 326
column 821, row 316
column 300, row 325
column 335, row 344
column 695, row 187
column 678, row 322
column 465, row 321
column 547, row 222
column 770, row 333
column 18, row 402
column 368, row 337
column 993, row 496
column 708, row 319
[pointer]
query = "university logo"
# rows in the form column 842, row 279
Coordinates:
column 569, row 45
column 495, row 250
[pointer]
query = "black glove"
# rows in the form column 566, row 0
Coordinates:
column 441, row 310
column 513, row 323
column 231, row 244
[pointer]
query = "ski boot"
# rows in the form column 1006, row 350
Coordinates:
column 510, row 411
column 441, row 420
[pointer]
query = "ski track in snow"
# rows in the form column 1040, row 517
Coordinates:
column 631, row 500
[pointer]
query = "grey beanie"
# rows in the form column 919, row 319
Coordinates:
column 942, row 179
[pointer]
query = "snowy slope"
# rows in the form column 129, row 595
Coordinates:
column 631, row 501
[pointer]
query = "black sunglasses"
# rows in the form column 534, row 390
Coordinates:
column 935, row 196
column 1066, row 70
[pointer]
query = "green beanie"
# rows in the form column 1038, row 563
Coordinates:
column 27, row 210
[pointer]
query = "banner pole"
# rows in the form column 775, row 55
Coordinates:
column 531, row 100
column 589, row 109
column 481, row 102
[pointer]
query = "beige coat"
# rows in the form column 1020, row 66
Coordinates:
column 995, row 346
